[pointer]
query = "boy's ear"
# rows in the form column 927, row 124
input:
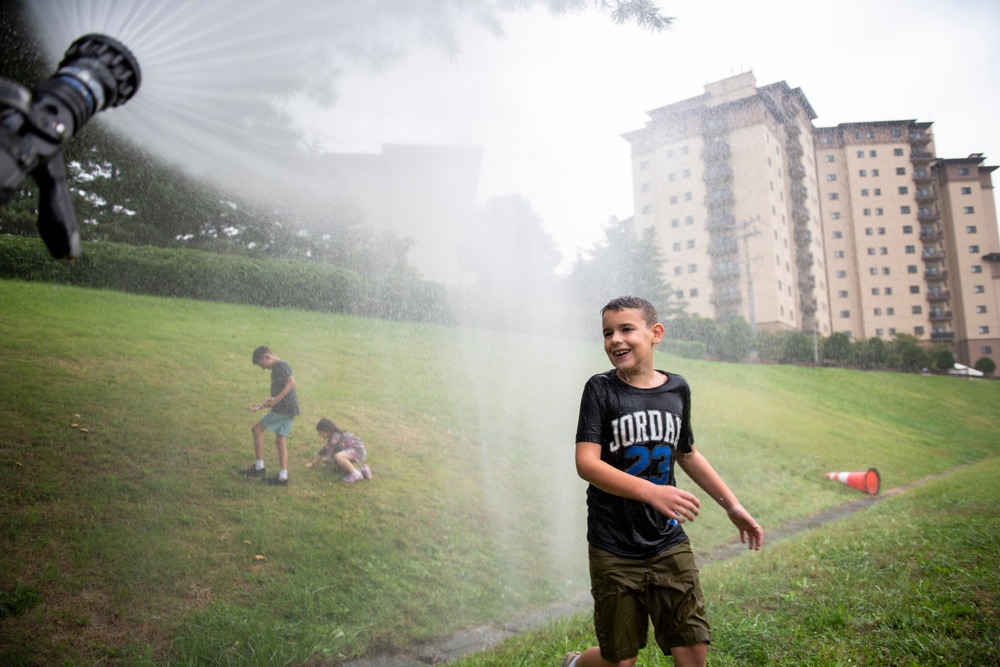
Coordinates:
column 658, row 332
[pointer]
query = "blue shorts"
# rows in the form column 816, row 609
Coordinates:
column 277, row 422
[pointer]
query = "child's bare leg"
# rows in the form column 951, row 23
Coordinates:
column 344, row 461
column 694, row 655
column 258, row 440
column 282, row 442
column 592, row 658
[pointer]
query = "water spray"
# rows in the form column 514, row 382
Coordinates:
column 96, row 73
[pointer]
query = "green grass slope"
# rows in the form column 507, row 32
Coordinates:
column 127, row 536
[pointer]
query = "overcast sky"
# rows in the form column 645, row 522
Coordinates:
column 549, row 101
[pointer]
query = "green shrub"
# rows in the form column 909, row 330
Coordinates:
column 180, row 272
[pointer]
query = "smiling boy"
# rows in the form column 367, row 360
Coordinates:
column 634, row 424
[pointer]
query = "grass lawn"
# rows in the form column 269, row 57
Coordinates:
column 128, row 538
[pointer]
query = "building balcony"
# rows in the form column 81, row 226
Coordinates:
column 725, row 245
column 802, row 236
column 928, row 215
column 921, row 176
column 726, row 297
column 794, row 150
column 929, row 255
column 796, row 170
column 938, row 295
column 720, row 198
column 933, row 275
column 716, row 151
column 807, row 284
column 922, row 157
column 925, row 196
column 720, row 221
column 804, row 260
column 718, row 174
column 723, row 272
column 920, row 139
column 940, row 316
column 931, row 235
column 942, row 335
column 808, row 306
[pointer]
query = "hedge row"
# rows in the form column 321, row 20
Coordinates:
column 178, row 272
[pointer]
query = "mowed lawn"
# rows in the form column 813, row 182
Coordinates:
column 128, row 537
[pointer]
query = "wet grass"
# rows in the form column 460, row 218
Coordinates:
column 127, row 538
column 911, row 580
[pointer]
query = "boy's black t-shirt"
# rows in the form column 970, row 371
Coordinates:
column 640, row 431
column 289, row 405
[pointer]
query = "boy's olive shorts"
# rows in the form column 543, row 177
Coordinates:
column 628, row 593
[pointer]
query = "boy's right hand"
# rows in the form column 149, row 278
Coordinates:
column 673, row 503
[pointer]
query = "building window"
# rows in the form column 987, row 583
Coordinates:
column 885, row 270
column 981, row 310
column 677, row 246
column 970, row 229
column 917, row 310
column 835, row 215
column 834, row 196
column 986, row 349
column 875, row 291
column 842, row 294
column 861, row 153
column 845, row 314
column 974, row 249
column 693, row 292
column 831, row 177
column 901, row 171
column 867, row 211
column 672, row 176
column 879, row 211
column 837, row 254
column 692, row 268
column 647, row 209
column 678, row 270
column 878, row 192
column 883, row 251
column 690, row 244
column 966, row 191
column 872, row 153
column 686, row 173
column 912, row 268
column 903, row 190
column 841, row 274
column 918, row 331
column 869, row 231
column 863, row 173
column 890, row 311
column 907, row 229
column 688, row 219
column 897, row 151
column 984, row 330
column 905, row 210
column 963, row 171
column 874, row 172
column 687, row 196
column 673, row 199
column 826, row 158
column 914, row 289
column 910, row 249
column 873, row 271
column 968, row 209
column 676, row 222
column 976, row 268
column 871, row 251
column 646, row 187
column 888, row 291
column 684, row 150
column 864, row 192
column 978, row 289
column 838, row 235
column 644, row 165
column 878, row 311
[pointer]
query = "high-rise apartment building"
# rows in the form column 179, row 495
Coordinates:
column 871, row 234
column 728, row 181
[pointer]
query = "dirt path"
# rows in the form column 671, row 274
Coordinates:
column 486, row 637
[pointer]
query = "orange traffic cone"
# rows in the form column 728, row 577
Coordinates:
column 868, row 481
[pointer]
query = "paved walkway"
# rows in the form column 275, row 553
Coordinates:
column 486, row 637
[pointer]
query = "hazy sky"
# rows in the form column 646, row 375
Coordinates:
column 549, row 101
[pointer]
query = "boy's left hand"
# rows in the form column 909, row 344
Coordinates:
column 751, row 534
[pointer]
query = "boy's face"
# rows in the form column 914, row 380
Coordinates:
column 629, row 340
column 266, row 361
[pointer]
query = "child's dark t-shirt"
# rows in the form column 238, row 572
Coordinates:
column 289, row 405
column 640, row 431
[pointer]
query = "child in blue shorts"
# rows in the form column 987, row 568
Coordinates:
column 284, row 406
column 343, row 448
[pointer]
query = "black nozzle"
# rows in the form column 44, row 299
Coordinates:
column 97, row 72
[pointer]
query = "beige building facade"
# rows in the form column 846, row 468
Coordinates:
column 858, row 228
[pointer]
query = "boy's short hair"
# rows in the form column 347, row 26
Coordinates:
column 649, row 313
column 326, row 426
column 259, row 353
